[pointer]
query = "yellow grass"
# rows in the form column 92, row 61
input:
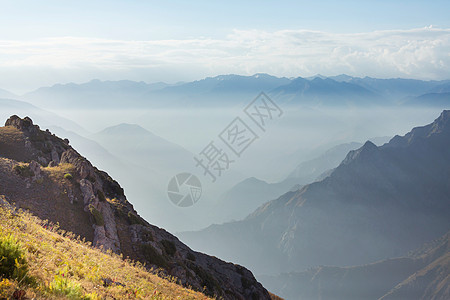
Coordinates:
column 59, row 260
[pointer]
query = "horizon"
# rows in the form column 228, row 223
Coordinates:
column 176, row 41
column 21, row 94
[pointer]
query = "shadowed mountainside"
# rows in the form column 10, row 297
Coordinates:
column 380, row 202
column 421, row 275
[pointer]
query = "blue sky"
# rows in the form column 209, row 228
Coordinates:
column 65, row 41
column 192, row 19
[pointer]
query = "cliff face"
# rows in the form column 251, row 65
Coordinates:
column 44, row 174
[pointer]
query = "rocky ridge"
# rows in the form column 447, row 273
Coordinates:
column 114, row 224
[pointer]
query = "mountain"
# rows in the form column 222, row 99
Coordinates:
column 229, row 84
column 231, row 90
column 441, row 100
column 246, row 196
column 420, row 275
column 441, row 88
column 146, row 148
column 46, row 118
column 7, row 95
column 327, row 92
column 249, row 194
column 380, row 202
column 396, row 88
column 42, row 261
column 43, row 174
column 96, row 94
column 309, row 171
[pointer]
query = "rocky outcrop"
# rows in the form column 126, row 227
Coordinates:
column 116, row 226
column 24, row 125
column 44, row 146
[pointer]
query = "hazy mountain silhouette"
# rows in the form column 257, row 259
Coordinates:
column 378, row 203
column 421, row 275
column 135, row 144
column 226, row 90
column 7, row 95
column 94, row 94
column 249, row 194
column 45, row 118
column 326, row 91
column 441, row 100
column 396, row 87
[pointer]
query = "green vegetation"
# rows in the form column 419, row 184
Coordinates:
column 208, row 281
column 101, row 196
column 13, row 264
column 61, row 286
column 98, row 217
column 63, row 265
column 152, row 255
column 169, row 247
column 23, row 170
column 190, row 256
column 133, row 219
column 68, row 176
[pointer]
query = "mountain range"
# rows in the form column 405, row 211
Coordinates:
column 231, row 90
column 422, row 274
column 379, row 203
column 243, row 198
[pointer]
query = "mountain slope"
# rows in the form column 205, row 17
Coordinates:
column 387, row 279
column 249, row 194
column 378, row 203
column 9, row 106
column 94, row 94
column 67, row 271
column 147, row 148
column 44, row 174
column 6, row 94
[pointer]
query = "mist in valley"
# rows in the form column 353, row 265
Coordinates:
column 307, row 142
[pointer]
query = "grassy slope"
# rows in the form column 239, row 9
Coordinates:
column 55, row 256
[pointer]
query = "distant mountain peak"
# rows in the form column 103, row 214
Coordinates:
column 443, row 122
column 126, row 128
column 366, row 151
column 440, row 126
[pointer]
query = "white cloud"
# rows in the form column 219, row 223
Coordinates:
column 416, row 53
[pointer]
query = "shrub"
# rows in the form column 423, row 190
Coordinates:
column 246, row 283
column 23, row 170
column 98, row 217
column 169, row 247
column 6, row 288
column 153, row 256
column 133, row 219
column 101, row 196
column 190, row 256
column 12, row 259
column 208, row 281
column 62, row 286
column 68, row 176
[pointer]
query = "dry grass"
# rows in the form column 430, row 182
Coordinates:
column 57, row 173
column 63, row 266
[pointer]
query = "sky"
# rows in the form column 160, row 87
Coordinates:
column 48, row 42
